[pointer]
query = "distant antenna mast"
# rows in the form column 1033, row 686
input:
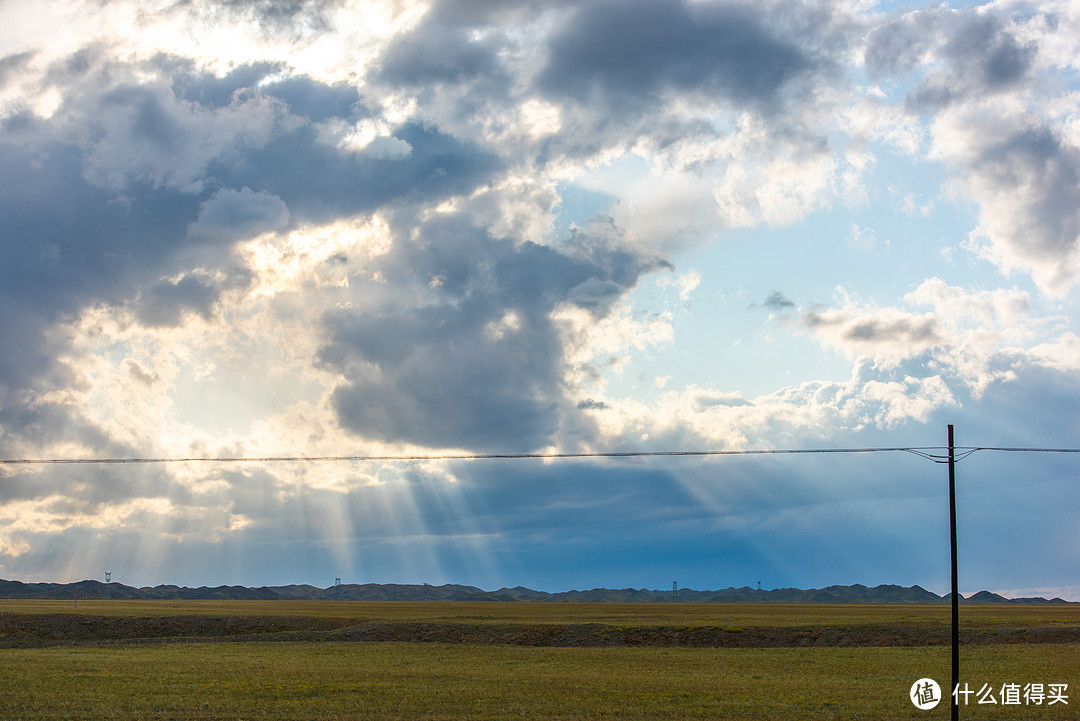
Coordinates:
column 674, row 589
column 108, row 578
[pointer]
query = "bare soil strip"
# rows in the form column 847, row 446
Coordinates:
column 64, row 629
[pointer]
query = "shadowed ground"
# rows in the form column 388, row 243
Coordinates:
column 48, row 623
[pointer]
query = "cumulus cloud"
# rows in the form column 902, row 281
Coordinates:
column 298, row 19
column 908, row 366
column 1026, row 179
column 165, row 302
column 970, row 52
column 975, row 338
column 996, row 126
column 629, row 54
column 887, row 336
column 239, row 215
column 476, row 360
column 440, row 52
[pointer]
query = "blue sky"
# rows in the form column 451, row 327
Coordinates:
column 324, row 228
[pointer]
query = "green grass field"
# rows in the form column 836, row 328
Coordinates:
column 335, row 680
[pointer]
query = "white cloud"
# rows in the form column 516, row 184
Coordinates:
column 910, row 399
column 686, row 282
column 863, row 239
column 617, row 334
column 777, row 182
column 704, row 417
column 669, row 210
column 886, row 336
column 135, row 130
column 974, row 337
column 1062, row 354
column 1026, row 178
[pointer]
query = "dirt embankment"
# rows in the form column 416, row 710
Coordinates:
column 35, row 630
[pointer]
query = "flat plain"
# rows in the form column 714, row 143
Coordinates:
column 397, row 660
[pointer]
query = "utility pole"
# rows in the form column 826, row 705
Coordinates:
column 954, row 689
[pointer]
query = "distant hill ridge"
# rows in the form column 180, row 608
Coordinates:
column 451, row 592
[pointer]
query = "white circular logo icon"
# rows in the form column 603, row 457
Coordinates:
column 925, row 694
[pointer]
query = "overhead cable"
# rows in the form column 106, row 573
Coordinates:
column 938, row 454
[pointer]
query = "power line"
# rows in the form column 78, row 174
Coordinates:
column 938, row 454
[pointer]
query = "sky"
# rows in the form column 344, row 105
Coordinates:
column 248, row 228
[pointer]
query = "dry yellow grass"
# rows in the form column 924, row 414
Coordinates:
column 644, row 614
column 332, row 681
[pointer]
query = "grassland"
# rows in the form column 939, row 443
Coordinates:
column 682, row 614
column 102, row 679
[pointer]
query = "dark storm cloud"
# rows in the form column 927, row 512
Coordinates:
column 291, row 18
column 484, row 12
column 67, row 242
column 304, row 96
column 920, row 331
column 208, row 89
column 479, row 363
column 24, row 356
column 237, row 215
column 150, row 118
column 280, row 11
column 458, row 41
column 630, row 53
column 975, row 54
column 314, row 100
column 319, row 183
column 166, row 302
column 438, row 53
column 1046, row 229
column 990, row 52
column 122, row 210
column 898, row 46
column 777, row 302
column 10, row 65
column 19, row 415
column 872, row 330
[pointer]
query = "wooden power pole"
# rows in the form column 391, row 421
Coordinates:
column 955, row 687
